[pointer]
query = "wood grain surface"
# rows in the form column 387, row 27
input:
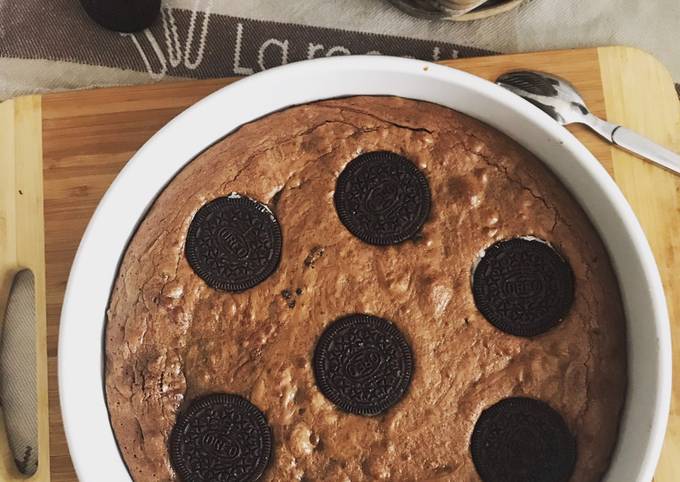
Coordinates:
column 22, row 247
column 89, row 135
column 639, row 93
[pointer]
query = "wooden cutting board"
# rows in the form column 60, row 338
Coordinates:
column 88, row 136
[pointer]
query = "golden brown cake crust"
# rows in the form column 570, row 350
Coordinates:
column 170, row 338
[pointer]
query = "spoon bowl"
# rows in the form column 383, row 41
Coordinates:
column 553, row 95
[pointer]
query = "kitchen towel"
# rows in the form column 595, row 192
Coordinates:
column 53, row 45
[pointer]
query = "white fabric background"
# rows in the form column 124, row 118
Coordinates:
column 651, row 25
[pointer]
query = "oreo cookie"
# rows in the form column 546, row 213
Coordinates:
column 382, row 198
column 523, row 286
column 220, row 437
column 522, row 439
column 123, row 15
column 233, row 243
column 363, row 364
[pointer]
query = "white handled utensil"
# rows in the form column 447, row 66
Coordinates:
column 561, row 101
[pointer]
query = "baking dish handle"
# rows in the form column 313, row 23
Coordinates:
column 22, row 247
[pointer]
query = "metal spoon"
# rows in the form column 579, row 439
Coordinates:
column 561, row 101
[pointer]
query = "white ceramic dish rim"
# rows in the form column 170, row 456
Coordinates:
column 90, row 438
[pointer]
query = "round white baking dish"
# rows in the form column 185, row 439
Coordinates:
column 90, row 438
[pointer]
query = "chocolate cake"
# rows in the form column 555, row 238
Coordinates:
column 367, row 288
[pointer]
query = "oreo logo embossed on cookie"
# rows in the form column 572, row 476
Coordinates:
column 220, row 437
column 233, row 243
column 363, row 364
column 522, row 286
column 521, row 439
column 382, row 198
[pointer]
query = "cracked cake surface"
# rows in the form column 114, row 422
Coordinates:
column 170, row 338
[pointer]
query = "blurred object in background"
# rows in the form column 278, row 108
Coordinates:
column 457, row 10
column 123, row 15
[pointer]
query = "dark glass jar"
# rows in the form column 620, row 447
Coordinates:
column 123, row 15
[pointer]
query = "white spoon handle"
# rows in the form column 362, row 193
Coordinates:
column 641, row 146
column 635, row 143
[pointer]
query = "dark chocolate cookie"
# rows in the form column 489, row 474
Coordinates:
column 233, row 243
column 363, row 364
column 523, row 286
column 382, row 198
column 520, row 440
column 220, row 437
